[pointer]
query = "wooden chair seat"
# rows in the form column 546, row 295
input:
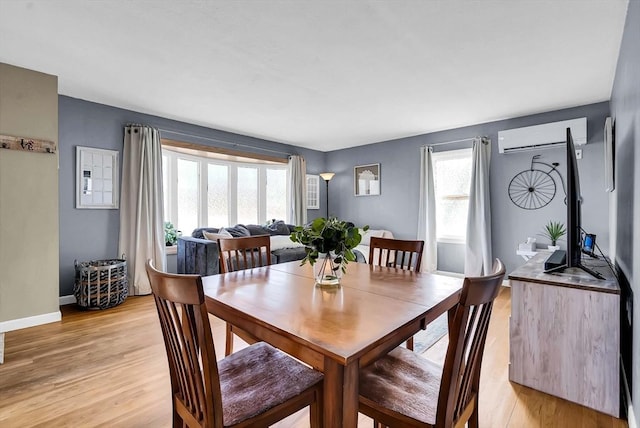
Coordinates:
column 403, row 385
column 404, row 389
column 256, row 379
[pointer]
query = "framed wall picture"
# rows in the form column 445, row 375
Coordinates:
column 366, row 180
column 313, row 192
column 96, row 178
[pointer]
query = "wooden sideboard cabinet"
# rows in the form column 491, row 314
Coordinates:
column 565, row 335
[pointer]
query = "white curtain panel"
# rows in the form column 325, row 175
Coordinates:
column 297, row 176
column 141, row 219
column 477, row 257
column 427, row 212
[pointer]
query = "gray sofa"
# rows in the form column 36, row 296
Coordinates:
column 197, row 255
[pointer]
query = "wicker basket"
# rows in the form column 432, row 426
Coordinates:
column 101, row 284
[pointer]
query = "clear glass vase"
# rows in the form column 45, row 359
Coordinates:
column 326, row 272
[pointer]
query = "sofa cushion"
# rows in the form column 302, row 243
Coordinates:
column 197, row 233
column 287, row 255
column 376, row 233
column 222, row 234
column 278, row 228
column 256, row 229
column 237, row 231
column 278, row 242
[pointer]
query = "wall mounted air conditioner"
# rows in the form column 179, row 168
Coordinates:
column 542, row 136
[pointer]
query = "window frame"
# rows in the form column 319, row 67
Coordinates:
column 450, row 155
column 203, row 161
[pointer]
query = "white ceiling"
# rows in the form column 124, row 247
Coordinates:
column 322, row 74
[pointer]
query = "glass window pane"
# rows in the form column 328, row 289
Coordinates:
column 451, row 218
column 187, row 196
column 218, row 196
column 452, row 176
column 247, row 195
column 276, row 194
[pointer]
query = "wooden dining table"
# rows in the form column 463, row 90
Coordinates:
column 335, row 330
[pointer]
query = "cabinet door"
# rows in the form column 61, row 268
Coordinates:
column 565, row 342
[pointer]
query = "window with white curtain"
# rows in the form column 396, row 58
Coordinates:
column 201, row 191
column 452, row 179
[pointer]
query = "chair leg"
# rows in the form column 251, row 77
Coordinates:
column 228, row 346
column 410, row 344
column 315, row 412
column 473, row 421
column 177, row 420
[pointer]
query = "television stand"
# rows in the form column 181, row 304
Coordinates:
column 557, row 262
column 563, row 327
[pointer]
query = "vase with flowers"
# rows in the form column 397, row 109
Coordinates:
column 329, row 245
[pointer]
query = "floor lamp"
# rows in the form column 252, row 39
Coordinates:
column 327, row 176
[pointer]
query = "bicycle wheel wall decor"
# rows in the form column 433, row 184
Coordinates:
column 533, row 188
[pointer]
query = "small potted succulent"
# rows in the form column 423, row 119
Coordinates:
column 554, row 230
column 332, row 241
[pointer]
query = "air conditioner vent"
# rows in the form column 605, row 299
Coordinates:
column 542, row 136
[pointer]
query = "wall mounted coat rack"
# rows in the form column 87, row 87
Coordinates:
column 27, row 144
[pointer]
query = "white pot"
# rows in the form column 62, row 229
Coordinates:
column 553, row 247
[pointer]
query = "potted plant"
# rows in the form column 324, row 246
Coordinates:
column 554, row 230
column 332, row 241
column 170, row 234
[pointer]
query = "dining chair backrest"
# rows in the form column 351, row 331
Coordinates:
column 468, row 327
column 257, row 386
column 238, row 254
column 244, row 253
column 399, row 253
column 195, row 382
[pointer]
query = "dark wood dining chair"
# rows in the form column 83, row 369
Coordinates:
column 405, row 389
column 237, row 254
column 398, row 253
column 257, row 386
column 244, row 253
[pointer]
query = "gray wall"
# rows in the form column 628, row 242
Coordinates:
column 625, row 108
column 93, row 234
column 396, row 208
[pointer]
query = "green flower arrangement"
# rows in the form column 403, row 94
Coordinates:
column 324, row 236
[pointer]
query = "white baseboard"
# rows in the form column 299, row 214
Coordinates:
column 67, row 300
column 505, row 283
column 33, row 321
column 447, row 273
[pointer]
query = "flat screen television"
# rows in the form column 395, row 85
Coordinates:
column 573, row 254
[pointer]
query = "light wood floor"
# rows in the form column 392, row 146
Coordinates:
column 108, row 369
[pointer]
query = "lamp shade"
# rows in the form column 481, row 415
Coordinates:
column 326, row 176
